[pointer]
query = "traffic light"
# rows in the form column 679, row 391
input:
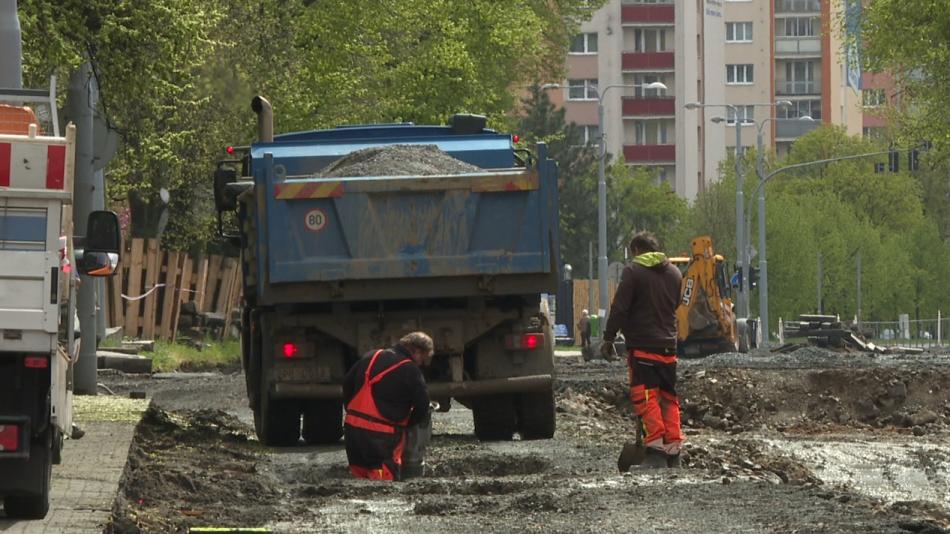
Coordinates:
column 753, row 277
column 893, row 161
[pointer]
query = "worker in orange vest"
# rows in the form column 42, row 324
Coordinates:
column 387, row 403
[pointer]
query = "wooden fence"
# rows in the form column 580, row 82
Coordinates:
column 146, row 296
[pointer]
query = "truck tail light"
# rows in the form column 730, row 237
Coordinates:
column 524, row 341
column 290, row 350
column 9, row 438
column 36, row 362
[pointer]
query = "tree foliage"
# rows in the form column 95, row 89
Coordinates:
column 176, row 76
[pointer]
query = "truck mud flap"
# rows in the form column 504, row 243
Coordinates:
column 472, row 388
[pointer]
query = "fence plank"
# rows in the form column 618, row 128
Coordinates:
column 185, row 296
column 201, row 284
column 117, row 309
column 224, row 294
column 170, row 295
column 211, row 285
column 150, row 302
column 234, row 297
column 582, row 290
column 134, row 288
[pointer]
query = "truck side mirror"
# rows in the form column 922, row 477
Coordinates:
column 102, row 252
column 222, row 177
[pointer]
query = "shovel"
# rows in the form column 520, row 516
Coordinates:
column 633, row 452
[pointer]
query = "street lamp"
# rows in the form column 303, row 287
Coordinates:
column 602, row 191
column 602, row 184
column 763, row 263
column 741, row 228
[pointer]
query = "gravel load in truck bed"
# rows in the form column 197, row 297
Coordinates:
column 398, row 160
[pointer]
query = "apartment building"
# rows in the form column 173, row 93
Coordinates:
column 745, row 53
column 620, row 58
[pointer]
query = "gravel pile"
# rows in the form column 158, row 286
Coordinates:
column 397, row 160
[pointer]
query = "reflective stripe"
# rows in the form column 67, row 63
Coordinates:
column 359, row 422
column 662, row 358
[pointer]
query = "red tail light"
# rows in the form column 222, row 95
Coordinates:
column 290, row 350
column 9, row 438
column 36, row 362
column 524, row 341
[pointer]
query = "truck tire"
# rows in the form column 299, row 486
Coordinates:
column 34, row 506
column 536, row 418
column 322, row 421
column 277, row 422
column 494, row 417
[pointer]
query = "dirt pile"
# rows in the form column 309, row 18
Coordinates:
column 398, row 160
column 735, row 400
column 192, row 468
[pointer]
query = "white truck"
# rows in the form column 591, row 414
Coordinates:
column 37, row 343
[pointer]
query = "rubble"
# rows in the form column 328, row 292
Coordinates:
column 398, row 160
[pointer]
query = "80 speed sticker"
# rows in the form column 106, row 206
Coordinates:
column 315, row 220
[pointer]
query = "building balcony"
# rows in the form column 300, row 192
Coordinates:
column 649, row 153
column 797, row 47
column 649, row 106
column 805, row 88
column 647, row 61
column 797, row 7
column 794, row 128
column 647, row 14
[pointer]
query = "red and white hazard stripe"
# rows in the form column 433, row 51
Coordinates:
column 32, row 164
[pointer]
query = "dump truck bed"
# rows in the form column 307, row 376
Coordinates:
column 496, row 222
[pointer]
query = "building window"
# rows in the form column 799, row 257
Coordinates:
column 797, row 27
column 649, row 40
column 799, row 109
column 641, row 81
column 738, row 32
column 800, row 78
column 872, row 98
column 584, row 43
column 872, row 132
column 582, row 89
column 647, row 2
column 797, row 6
column 739, row 74
column 591, row 134
column 746, row 114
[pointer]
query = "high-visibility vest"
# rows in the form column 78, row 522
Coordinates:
column 362, row 412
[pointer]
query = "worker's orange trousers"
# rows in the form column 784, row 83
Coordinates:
column 653, row 393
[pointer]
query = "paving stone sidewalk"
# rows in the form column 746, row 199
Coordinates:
column 86, row 483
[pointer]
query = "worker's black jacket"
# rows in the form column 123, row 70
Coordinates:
column 398, row 392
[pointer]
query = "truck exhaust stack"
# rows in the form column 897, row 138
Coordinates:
column 265, row 119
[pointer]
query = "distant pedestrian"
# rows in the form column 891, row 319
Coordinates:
column 387, row 410
column 583, row 328
column 644, row 309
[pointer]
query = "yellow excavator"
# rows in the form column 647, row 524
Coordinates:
column 706, row 321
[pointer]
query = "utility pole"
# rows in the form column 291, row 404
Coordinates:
column 858, row 315
column 11, row 65
column 81, row 98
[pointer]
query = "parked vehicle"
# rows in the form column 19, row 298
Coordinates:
column 37, row 345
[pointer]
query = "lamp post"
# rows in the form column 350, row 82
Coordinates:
column 602, row 184
column 742, row 228
column 763, row 262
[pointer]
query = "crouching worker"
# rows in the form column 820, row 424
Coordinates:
column 387, row 424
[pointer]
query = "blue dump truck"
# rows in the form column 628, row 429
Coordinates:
column 336, row 266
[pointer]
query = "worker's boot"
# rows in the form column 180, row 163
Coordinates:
column 654, row 459
column 673, row 461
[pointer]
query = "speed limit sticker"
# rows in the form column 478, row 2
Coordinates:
column 315, row 220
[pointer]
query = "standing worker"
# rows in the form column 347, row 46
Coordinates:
column 387, row 410
column 644, row 309
column 583, row 327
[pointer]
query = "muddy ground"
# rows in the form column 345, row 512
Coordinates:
column 806, row 442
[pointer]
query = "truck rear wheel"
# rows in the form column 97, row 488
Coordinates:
column 34, row 506
column 536, row 419
column 277, row 421
column 494, row 417
column 322, row 421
